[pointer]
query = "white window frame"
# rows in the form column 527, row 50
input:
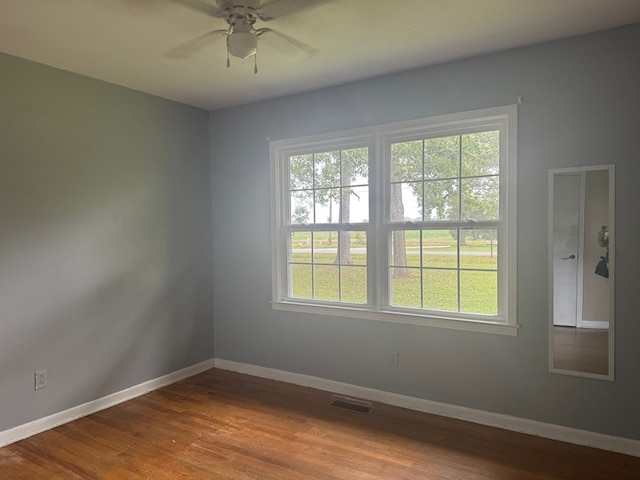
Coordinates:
column 378, row 139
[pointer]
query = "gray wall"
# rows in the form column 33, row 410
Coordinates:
column 580, row 107
column 105, row 239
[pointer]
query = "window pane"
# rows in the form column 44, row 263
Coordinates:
column 439, row 248
column 325, row 247
column 354, row 284
column 301, row 172
column 327, row 205
column 327, row 169
column 326, row 285
column 406, row 202
column 406, row 161
column 300, row 281
column 405, row 280
column 300, row 247
column 441, row 200
column 405, row 287
column 357, row 247
column 440, row 290
column 442, row 157
column 349, row 252
column 405, row 247
column 355, row 166
column 480, row 198
column 479, row 292
column 301, row 207
column 480, row 249
column 355, row 205
column 481, row 153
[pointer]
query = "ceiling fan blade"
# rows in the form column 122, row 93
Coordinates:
column 285, row 42
column 201, row 6
column 187, row 48
column 270, row 9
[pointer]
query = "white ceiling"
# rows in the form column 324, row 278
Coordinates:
column 132, row 42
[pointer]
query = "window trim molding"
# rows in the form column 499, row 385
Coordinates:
column 392, row 316
column 376, row 137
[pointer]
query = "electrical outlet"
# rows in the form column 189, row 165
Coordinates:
column 393, row 359
column 40, row 379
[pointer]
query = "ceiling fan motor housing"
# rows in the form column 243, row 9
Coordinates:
column 242, row 44
column 229, row 4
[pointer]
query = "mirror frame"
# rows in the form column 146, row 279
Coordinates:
column 611, row 264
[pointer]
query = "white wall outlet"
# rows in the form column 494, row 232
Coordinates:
column 40, row 378
column 393, row 359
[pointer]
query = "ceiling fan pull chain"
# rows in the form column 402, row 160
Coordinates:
column 255, row 64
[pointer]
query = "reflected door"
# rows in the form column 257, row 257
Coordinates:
column 566, row 250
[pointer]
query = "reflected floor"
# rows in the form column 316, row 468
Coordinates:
column 581, row 349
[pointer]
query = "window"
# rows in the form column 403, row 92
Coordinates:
column 410, row 222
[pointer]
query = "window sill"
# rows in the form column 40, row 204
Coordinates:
column 498, row 328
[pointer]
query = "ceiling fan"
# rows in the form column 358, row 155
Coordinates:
column 241, row 34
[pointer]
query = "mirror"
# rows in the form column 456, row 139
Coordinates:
column 581, row 269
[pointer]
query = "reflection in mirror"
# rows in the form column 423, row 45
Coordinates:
column 581, row 260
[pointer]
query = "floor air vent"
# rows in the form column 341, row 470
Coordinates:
column 352, row 404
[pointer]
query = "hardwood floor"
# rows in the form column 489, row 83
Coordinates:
column 581, row 349
column 223, row 425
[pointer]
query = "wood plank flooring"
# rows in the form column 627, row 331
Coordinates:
column 223, row 425
column 581, row 349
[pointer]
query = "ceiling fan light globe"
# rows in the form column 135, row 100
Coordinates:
column 242, row 44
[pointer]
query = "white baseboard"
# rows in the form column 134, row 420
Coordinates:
column 40, row 425
column 507, row 422
column 599, row 324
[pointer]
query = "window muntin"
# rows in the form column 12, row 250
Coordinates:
column 455, row 176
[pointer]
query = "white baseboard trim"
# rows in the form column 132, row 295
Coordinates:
column 599, row 324
column 40, row 425
column 507, row 422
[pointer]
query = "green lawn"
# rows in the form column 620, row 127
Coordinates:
column 439, row 290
